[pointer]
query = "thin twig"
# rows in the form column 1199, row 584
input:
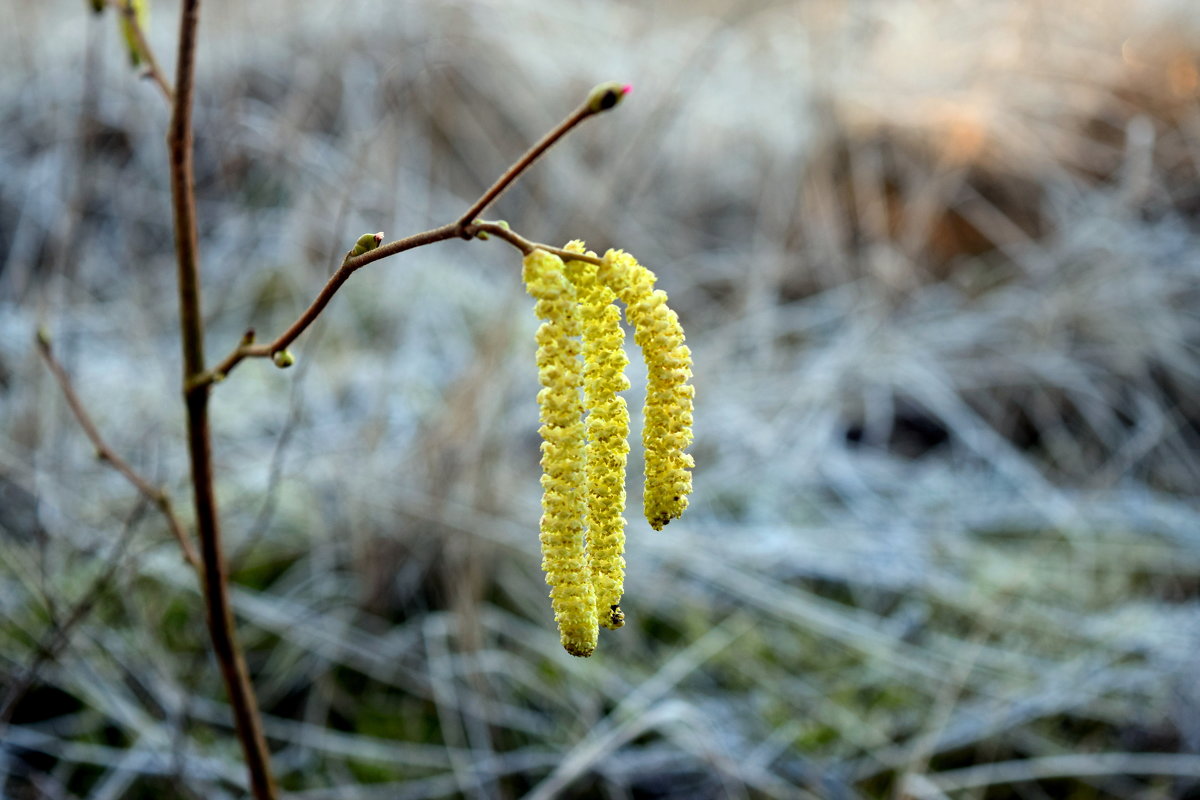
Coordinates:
column 466, row 227
column 125, row 9
column 247, row 721
column 247, row 348
column 518, row 241
column 525, row 162
column 154, row 494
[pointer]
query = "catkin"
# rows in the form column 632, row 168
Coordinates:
column 607, row 429
column 667, row 429
column 564, row 492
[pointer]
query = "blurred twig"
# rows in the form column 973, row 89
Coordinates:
column 1183, row 765
column 154, row 494
column 58, row 636
column 153, row 71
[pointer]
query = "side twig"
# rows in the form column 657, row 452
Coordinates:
column 525, row 162
column 247, row 722
column 501, row 231
column 125, row 9
column 247, row 348
column 465, row 227
column 154, row 494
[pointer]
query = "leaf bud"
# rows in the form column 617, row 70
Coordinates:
column 606, row 96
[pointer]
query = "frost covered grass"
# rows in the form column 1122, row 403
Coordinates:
column 939, row 266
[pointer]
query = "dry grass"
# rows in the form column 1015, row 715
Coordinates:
column 939, row 264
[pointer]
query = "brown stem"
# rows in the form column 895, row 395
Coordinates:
column 125, row 9
column 247, row 349
column 154, row 494
column 466, row 227
column 525, row 246
column 525, row 162
column 196, row 393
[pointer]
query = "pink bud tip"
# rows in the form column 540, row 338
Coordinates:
column 627, row 88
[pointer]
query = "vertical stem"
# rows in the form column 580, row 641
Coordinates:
column 196, row 394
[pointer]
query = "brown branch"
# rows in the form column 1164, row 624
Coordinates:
column 525, row 162
column 247, row 348
column 599, row 100
column 467, row 226
column 125, row 9
column 154, row 494
column 501, row 231
column 247, row 722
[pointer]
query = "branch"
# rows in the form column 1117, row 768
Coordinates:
column 125, row 9
column 221, row 629
column 153, row 493
column 502, row 231
column 247, row 348
column 601, row 98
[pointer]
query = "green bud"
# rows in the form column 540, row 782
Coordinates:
column 283, row 359
column 607, row 95
column 366, row 242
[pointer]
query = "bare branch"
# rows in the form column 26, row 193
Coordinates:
column 125, row 9
column 524, row 162
column 154, row 494
column 466, row 227
column 221, row 628
column 247, row 348
column 501, row 231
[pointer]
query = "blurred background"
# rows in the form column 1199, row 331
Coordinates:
column 938, row 263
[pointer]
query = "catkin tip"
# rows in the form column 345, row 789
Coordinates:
column 580, row 649
column 614, row 618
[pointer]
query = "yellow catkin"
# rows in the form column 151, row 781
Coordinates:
column 607, row 429
column 667, row 431
column 564, row 494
